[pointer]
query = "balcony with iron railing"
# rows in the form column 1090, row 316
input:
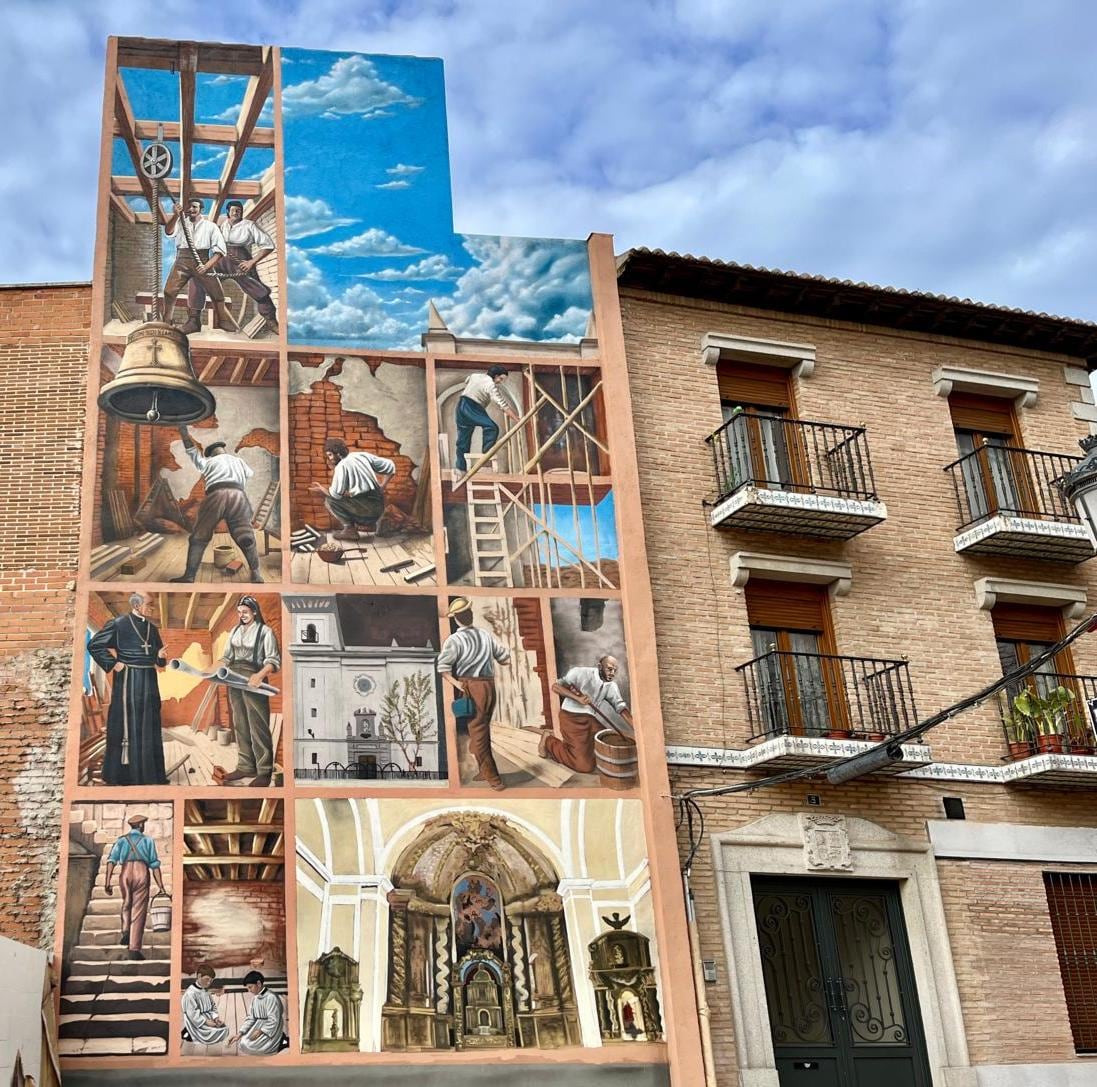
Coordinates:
column 1048, row 719
column 809, row 708
column 791, row 475
column 1009, row 504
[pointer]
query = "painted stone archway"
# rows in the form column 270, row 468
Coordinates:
column 431, row 962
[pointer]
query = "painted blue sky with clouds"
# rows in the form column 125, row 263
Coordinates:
column 369, row 218
column 919, row 143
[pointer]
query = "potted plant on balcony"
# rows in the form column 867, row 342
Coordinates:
column 1020, row 733
column 1046, row 714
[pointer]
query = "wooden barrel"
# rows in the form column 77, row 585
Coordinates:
column 615, row 759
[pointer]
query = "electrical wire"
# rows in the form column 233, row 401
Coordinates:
column 688, row 800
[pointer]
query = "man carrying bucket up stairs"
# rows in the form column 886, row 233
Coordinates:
column 587, row 693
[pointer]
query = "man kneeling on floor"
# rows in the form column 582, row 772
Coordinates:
column 261, row 1033
column 202, row 1022
column 588, row 694
column 356, row 498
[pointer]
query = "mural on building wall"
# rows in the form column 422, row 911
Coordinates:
column 367, row 698
column 233, row 998
column 193, row 226
column 369, row 220
column 360, row 471
column 182, row 689
column 490, row 920
column 457, row 767
column 526, row 485
column 116, row 958
column 180, row 500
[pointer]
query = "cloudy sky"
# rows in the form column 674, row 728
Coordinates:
column 918, row 143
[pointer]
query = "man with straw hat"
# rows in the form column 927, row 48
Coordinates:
column 467, row 662
column 134, row 854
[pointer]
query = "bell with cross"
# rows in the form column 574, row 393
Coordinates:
column 156, row 383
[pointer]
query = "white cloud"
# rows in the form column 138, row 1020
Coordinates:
column 305, row 280
column 403, row 169
column 521, row 288
column 394, row 185
column 370, row 243
column 436, row 266
column 357, row 316
column 305, row 217
column 351, row 86
column 209, row 160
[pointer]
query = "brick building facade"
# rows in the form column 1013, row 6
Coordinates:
column 43, row 363
column 899, row 374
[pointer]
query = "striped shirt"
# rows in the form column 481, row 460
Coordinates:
column 471, row 653
column 247, row 233
column 482, row 390
column 357, row 473
column 144, row 849
column 223, row 468
column 602, row 693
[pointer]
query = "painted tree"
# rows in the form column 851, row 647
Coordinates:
column 406, row 719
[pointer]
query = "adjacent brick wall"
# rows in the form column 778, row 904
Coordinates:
column 912, row 595
column 43, row 363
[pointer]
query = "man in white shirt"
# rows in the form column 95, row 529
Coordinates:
column 467, row 662
column 252, row 651
column 202, row 1021
column 199, row 247
column 481, row 390
column 242, row 237
column 262, row 1032
column 584, row 690
column 224, row 475
column 356, row 497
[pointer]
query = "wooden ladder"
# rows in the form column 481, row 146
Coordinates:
column 487, row 535
column 264, row 515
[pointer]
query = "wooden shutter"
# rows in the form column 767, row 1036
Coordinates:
column 983, row 414
column 1026, row 623
column 787, row 605
column 764, row 386
column 1072, row 904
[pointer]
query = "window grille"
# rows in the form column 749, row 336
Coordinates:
column 1072, row 903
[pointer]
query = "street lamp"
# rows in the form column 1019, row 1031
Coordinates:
column 1079, row 486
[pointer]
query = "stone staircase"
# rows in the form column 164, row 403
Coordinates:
column 110, row 1005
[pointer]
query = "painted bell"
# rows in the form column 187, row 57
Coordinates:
column 156, row 383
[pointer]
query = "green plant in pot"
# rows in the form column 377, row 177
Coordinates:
column 1045, row 714
column 1020, row 734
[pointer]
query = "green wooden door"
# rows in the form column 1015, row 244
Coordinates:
column 843, row 1008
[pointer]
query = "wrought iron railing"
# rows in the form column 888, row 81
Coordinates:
column 814, row 694
column 338, row 772
column 1003, row 479
column 1049, row 713
column 753, row 449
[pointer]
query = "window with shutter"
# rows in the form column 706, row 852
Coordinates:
column 995, row 476
column 1072, row 904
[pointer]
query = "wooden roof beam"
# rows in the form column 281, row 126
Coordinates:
column 234, row 859
column 219, row 135
column 125, row 128
column 131, row 186
column 213, row 57
column 192, row 603
column 255, row 97
column 123, row 208
column 188, row 57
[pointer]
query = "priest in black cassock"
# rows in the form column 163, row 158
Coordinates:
column 130, row 649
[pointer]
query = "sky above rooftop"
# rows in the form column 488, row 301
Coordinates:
column 916, row 143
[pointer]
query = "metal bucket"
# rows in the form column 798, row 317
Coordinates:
column 160, row 912
column 615, row 759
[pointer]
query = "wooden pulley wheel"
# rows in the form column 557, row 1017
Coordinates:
column 156, row 161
